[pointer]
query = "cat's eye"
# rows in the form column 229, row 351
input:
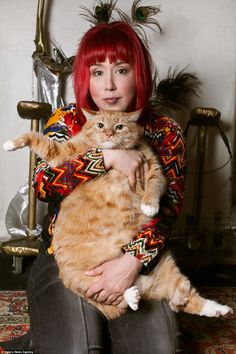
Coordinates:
column 119, row 127
column 100, row 125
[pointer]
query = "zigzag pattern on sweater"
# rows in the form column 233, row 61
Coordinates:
column 166, row 138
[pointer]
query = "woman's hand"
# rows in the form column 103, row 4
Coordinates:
column 116, row 276
column 130, row 163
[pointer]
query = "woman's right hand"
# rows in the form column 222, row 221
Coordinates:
column 130, row 163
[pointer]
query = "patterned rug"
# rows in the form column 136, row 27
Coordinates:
column 14, row 320
column 202, row 335
column 211, row 335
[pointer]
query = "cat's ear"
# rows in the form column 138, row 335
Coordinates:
column 89, row 115
column 134, row 116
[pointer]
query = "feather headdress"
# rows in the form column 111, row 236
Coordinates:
column 141, row 16
column 102, row 12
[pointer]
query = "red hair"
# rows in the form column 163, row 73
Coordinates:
column 116, row 41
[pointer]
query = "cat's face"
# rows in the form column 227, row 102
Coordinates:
column 112, row 130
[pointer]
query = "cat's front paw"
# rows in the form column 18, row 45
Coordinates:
column 213, row 309
column 132, row 297
column 9, row 145
column 149, row 210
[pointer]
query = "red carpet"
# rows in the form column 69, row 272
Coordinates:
column 211, row 335
column 202, row 335
column 14, row 320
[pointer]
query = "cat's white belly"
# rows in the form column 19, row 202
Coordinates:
column 96, row 221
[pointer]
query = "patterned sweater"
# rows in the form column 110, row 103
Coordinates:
column 53, row 184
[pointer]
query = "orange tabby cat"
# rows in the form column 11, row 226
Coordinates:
column 102, row 215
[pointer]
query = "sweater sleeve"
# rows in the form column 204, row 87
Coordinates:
column 53, row 184
column 167, row 139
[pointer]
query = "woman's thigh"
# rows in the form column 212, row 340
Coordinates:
column 152, row 329
column 60, row 321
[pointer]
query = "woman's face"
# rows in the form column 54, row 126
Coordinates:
column 112, row 85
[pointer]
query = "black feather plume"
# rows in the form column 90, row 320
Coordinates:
column 176, row 90
column 101, row 13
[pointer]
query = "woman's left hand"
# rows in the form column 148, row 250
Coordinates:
column 131, row 163
column 116, row 276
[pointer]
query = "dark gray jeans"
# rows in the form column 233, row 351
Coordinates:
column 61, row 322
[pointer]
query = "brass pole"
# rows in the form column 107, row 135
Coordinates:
column 39, row 36
column 34, row 111
column 32, row 197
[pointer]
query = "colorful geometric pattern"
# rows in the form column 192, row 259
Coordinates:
column 166, row 138
column 52, row 184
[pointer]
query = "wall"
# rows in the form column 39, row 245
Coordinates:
column 200, row 34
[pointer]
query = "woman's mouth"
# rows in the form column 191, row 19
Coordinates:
column 111, row 100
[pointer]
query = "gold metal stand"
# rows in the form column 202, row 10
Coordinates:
column 29, row 245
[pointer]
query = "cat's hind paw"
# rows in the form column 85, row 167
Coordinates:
column 9, row 146
column 213, row 309
column 181, row 295
column 132, row 297
column 149, row 210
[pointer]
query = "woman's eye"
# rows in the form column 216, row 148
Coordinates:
column 122, row 71
column 100, row 125
column 119, row 127
column 97, row 73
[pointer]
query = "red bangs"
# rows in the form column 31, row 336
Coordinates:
column 114, row 46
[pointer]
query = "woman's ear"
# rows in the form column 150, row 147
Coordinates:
column 134, row 116
column 89, row 115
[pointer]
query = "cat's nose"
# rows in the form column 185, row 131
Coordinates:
column 109, row 133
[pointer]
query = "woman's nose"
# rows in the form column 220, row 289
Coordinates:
column 109, row 83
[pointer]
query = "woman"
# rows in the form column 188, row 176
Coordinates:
column 112, row 70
